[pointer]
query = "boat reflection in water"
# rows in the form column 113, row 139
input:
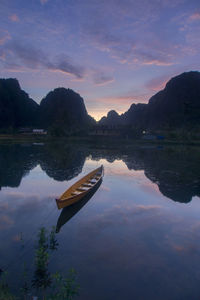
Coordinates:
column 68, row 212
column 80, row 188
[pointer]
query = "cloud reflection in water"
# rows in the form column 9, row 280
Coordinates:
column 129, row 235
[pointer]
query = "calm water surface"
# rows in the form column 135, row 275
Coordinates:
column 138, row 237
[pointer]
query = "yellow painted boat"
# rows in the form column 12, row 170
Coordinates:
column 68, row 212
column 81, row 188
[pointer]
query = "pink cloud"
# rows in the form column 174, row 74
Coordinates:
column 4, row 36
column 157, row 62
column 157, row 84
column 150, row 187
column 65, row 72
column 43, row 1
column 14, row 68
column 178, row 248
column 105, row 188
column 119, row 103
column 105, row 82
column 126, row 99
column 147, row 207
column 195, row 16
column 5, row 222
column 14, row 18
column 105, row 104
column 17, row 238
column 187, row 248
column 2, row 55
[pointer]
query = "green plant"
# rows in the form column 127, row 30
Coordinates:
column 52, row 286
column 64, row 288
column 42, row 279
column 53, row 244
column 25, row 289
column 5, row 293
column 48, row 286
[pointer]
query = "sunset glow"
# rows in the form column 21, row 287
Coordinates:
column 114, row 53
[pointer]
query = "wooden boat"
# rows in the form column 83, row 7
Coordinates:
column 81, row 188
column 68, row 212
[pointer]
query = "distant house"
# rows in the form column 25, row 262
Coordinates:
column 39, row 131
column 25, row 130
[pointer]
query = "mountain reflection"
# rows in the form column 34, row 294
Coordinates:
column 59, row 163
column 62, row 162
column 15, row 162
column 174, row 169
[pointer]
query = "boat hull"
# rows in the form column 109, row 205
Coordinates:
column 66, row 199
column 68, row 202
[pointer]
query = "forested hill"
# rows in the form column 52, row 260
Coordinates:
column 177, row 105
column 64, row 110
column 61, row 110
column 16, row 108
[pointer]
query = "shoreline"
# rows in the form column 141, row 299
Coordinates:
column 19, row 138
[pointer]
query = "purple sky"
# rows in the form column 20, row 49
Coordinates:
column 112, row 52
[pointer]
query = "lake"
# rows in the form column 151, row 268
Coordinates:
column 137, row 237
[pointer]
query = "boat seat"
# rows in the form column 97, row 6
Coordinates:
column 75, row 193
column 93, row 181
column 82, row 188
column 86, row 185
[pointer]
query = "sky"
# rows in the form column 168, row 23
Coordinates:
column 112, row 52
